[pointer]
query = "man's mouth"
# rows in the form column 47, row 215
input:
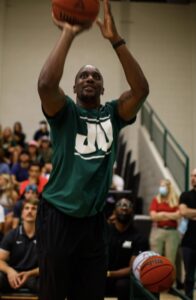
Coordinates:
column 89, row 88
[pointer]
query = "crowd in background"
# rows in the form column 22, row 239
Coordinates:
column 25, row 167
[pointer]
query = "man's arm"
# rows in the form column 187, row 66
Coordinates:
column 130, row 101
column 12, row 274
column 187, row 212
column 51, row 95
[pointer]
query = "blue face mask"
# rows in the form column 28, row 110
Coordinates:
column 163, row 191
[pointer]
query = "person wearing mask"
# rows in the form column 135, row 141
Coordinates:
column 124, row 244
column 164, row 212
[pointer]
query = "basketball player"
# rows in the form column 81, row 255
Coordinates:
column 70, row 223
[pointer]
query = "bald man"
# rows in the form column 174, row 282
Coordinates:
column 188, row 210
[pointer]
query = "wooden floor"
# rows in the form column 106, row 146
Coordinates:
column 164, row 296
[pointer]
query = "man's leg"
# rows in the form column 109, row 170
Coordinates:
column 54, row 262
column 4, row 283
column 189, row 258
column 89, row 272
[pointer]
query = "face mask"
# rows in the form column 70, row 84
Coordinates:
column 163, row 190
column 124, row 218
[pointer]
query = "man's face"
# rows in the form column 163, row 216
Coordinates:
column 24, row 161
column 193, row 178
column 124, row 210
column 88, row 84
column 29, row 212
column 34, row 172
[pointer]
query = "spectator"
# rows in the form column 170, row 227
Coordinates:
column 7, row 142
column 45, row 150
column 35, row 177
column 8, row 197
column 19, row 136
column 33, row 149
column 164, row 211
column 42, row 131
column 18, row 254
column 124, row 244
column 46, row 170
column 2, row 220
column 188, row 210
column 31, row 192
column 20, row 169
column 117, row 181
column 4, row 166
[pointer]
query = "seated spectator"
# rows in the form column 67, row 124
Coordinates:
column 164, row 211
column 117, row 181
column 7, row 142
column 33, row 149
column 8, row 197
column 45, row 150
column 19, row 135
column 31, row 192
column 18, row 254
column 46, row 170
column 4, row 166
column 2, row 220
column 20, row 170
column 42, row 131
column 124, row 244
column 34, row 178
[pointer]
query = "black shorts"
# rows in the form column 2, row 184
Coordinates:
column 72, row 255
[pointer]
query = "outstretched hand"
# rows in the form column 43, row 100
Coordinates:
column 75, row 28
column 108, row 27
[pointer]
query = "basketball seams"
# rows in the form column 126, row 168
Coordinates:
column 154, row 267
column 72, row 12
column 161, row 280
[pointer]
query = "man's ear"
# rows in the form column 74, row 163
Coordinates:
column 74, row 89
column 103, row 90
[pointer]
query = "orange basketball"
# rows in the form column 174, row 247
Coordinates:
column 76, row 11
column 157, row 274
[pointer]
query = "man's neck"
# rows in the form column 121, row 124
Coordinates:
column 29, row 228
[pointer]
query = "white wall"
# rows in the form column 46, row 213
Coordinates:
column 2, row 13
column 161, row 37
column 193, row 56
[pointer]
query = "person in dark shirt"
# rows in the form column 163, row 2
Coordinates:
column 124, row 243
column 18, row 253
column 188, row 210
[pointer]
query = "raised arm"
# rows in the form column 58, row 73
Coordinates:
column 130, row 101
column 51, row 95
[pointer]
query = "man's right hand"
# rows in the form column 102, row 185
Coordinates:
column 13, row 278
column 75, row 28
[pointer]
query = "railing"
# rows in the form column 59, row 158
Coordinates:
column 174, row 157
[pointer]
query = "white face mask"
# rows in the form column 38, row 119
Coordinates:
column 163, row 190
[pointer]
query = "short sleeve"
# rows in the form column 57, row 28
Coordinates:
column 7, row 241
column 119, row 121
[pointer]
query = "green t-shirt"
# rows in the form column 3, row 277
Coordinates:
column 84, row 145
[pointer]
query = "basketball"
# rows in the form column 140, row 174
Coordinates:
column 157, row 274
column 138, row 261
column 76, row 11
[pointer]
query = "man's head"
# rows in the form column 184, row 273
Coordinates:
column 43, row 125
column 124, row 211
column 29, row 210
column 193, row 178
column 31, row 192
column 24, row 159
column 35, row 171
column 88, row 86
